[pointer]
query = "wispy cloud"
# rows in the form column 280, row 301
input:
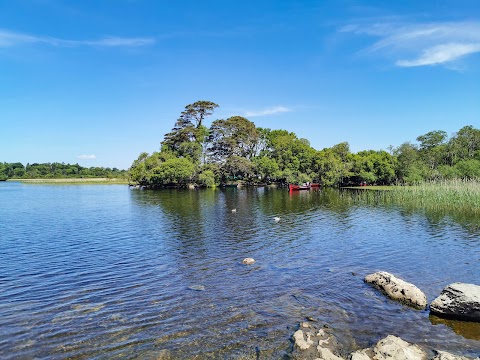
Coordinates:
column 268, row 111
column 421, row 44
column 441, row 54
column 11, row 38
column 86, row 157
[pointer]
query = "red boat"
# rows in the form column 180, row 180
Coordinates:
column 292, row 187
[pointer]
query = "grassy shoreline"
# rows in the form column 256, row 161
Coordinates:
column 73, row 181
column 445, row 196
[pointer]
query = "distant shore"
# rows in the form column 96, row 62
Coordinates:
column 73, row 181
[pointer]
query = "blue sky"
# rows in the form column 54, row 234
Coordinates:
column 98, row 82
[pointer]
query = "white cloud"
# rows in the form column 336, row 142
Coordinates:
column 86, row 157
column 424, row 44
column 441, row 54
column 10, row 38
column 117, row 41
column 268, row 111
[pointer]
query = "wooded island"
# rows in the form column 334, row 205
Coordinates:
column 235, row 149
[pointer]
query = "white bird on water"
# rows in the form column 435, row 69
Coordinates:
column 276, row 219
column 234, row 210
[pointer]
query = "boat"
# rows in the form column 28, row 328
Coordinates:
column 293, row 187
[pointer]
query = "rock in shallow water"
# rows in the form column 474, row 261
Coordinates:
column 197, row 287
column 398, row 289
column 248, row 261
column 458, row 301
column 313, row 342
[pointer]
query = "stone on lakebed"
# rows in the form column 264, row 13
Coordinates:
column 398, row 289
column 248, row 261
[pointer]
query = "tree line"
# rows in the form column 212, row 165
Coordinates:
column 235, row 149
column 56, row 170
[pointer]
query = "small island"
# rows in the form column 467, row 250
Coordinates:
column 235, row 151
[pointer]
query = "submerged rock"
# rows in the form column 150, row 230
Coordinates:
column 163, row 354
column 458, row 301
column 313, row 342
column 398, row 289
column 316, row 343
column 197, row 287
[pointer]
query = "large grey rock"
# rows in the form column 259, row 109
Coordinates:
column 394, row 348
column 365, row 354
column 312, row 342
column 391, row 348
column 443, row 355
column 398, row 289
column 458, row 301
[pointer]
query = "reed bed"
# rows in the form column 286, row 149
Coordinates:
column 442, row 196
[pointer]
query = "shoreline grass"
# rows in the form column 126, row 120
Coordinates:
column 100, row 181
column 371, row 187
column 441, row 196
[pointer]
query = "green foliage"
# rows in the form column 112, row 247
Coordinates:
column 207, row 178
column 235, row 148
column 190, row 150
column 297, row 178
column 189, row 129
column 215, row 169
column 237, row 167
column 176, row 171
column 198, row 111
column 468, row 169
column 373, row 167
column 294, row 157
column 465, row 144
column 56, row 171
column 235, row 136
column 432, row 149
column 267, row 168
column 331, row 169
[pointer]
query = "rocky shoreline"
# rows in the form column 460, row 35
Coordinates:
column 457, row 301
column 312, row 342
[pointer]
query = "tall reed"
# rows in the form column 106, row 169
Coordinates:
column 442, row 196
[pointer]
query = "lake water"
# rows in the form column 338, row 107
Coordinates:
column 104, row 271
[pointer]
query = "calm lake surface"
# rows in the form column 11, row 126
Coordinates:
column 103, row 271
